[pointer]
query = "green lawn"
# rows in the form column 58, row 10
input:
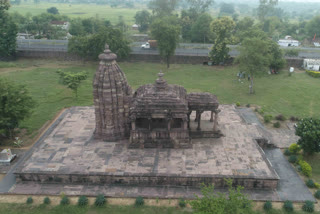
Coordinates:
column 80, row 10
column 297, row 95
column 71, row 209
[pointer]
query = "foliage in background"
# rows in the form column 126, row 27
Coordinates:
column 215, row 202
column 222, row 35
column 200, row 30
column 53, row 10
column 143, row 19
column 162, row 8
column 315, row 74
column 308, row 129
column 89, row 47
column 15, row 105
column 139, row 201
column 8, row 31
column 166, row 31
column 72, row 79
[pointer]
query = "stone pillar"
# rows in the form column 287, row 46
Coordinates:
column 169, row 124
column 215, row 123
column 211, row 117
column 196, row 118
column 199, row 121
column 133, row 125
column 188, row 119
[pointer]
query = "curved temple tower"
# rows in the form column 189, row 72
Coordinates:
column 111, row 94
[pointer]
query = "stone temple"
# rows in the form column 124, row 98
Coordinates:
column 158, row 136
column 155, row 116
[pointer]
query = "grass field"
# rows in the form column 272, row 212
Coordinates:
column 71, row 209
column 297, row 95
column 79, row 10
column 114, row 209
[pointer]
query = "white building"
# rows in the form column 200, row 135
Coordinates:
column 288, row 42
column 311, row 64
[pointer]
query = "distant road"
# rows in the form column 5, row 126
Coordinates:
column 190, row 49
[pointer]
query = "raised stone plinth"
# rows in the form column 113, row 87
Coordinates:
column 70, row 154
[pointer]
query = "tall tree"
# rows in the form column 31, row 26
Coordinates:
column 254, row 58
column 313, row 27
column 200, row 31
column 15, row 105
column 166, row 31
column 143, row 19
column 89, row 47
column 162, row 7
column 227, row 8
column 72, row 79
column 308, row 131
column 222, row 31
column 199, row 6
column 8, row 31
column 265, row 7
column 53, row 10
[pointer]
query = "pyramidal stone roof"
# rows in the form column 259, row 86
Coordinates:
column 112, row 94
column 159, row 96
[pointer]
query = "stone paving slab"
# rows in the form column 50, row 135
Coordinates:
column 70, row 149
column 281, row 137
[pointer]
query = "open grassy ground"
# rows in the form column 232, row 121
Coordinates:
column 114, row 209
column 79, row 10
column 297, row 95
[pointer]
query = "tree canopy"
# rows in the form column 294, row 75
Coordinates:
column 162, row 7
column 53, row 10
column 15, row 105
column 200, row 31
column 166, row 31
column 8, row 31
column 222, row 34
column 308, row 129
column 89, row 47
column 143, row 19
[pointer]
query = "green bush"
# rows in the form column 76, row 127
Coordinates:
column 305, row 168
column 65, row 200
column 29, row 200
column 287, row 152
column 100, row 200
column 261, row 111
column 317, row 194
column 276, row 125
column 248, row 105
column 280, row 117
column 46, row 200
column 139, row 201
column 182, row 203
column 315, row 74
column 238, row 104
column 288, row 206
column 308, row 206
column 293, row 159
column 267, row 206
column 310, row 183
column 267, row 118
column 294, row 148
column 82, row 201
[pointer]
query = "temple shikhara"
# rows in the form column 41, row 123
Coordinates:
column 154, row 116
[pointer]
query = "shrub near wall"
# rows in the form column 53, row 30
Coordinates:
column 315, row 74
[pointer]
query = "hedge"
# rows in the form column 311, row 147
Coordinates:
column 315, row 74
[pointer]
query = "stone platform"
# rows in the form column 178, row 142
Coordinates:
column 69, row 154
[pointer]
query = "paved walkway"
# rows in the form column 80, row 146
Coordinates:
column 291, row 187
column 282, row 137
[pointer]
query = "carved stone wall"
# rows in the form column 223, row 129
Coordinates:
column 112, row 96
